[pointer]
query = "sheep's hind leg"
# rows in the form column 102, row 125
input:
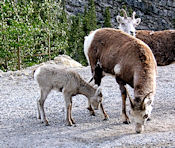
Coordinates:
column 41, row 112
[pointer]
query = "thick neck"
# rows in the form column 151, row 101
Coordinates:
column 86, row 89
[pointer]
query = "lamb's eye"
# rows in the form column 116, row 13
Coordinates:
column 145, row 116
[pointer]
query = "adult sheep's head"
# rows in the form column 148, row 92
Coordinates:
column 141, row 108
column 128, row 24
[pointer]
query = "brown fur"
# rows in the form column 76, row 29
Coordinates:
column 162, row 44
column 112, row 46
column 137, row 63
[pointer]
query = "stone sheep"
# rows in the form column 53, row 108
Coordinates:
column 130, row 61
column 128, row 24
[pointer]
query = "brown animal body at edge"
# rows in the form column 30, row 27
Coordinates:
column 162, row 44
column 131, row 62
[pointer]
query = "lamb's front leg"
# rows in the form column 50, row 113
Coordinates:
column 67, row 99
column 106, row 117
column 91, row 110
column 73, row 122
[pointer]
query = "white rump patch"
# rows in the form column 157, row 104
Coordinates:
column 37, row 71
column 117, row 69
column 87, row 43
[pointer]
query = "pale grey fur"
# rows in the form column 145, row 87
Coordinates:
column 70, row 83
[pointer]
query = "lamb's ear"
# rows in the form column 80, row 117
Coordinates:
column 119, row 19
column 137, row 21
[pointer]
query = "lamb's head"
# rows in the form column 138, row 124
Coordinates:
column 97, row 98
column 128, row 24
column 141, row 108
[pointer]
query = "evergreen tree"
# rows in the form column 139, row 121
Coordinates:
column 85, row 21
column 30, row 30
column 76, row 40
column 90, row 20
column 107, row 18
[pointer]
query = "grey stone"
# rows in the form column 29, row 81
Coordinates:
column 147, row 10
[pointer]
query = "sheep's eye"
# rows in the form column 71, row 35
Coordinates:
column 145, row 116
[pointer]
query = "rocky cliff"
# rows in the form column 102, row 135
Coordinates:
column 155, row 14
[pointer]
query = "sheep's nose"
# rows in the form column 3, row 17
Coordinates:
column 132, row 33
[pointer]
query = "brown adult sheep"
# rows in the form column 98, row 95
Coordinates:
column 131, row 62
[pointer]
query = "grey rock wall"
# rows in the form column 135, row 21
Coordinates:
column 155, row 14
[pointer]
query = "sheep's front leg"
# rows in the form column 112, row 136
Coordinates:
column 92, row 113
column 68, row 102
column 73, row 122
column 124, row 96
column 106, row 117
column 40, row 106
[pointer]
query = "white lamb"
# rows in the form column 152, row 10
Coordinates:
column 70, row 83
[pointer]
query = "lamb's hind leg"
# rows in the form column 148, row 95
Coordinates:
column 124, row 96
column 40, row 106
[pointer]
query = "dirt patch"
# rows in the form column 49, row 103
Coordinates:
column 19, row 126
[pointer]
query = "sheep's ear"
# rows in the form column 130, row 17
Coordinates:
column 147, row 101
column 137, row 21
column 119, row 19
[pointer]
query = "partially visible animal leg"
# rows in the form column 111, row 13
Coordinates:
column 98, row 74
column 124, row 96
column 106, row 117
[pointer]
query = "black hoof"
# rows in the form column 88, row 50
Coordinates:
column 92, row 114
column 105, row 119
column 149, row 119
column 126, row 122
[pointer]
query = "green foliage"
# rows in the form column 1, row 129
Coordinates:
column 76, row 40
column 107, row 18
column 90, row 20
column 30, row 32
column 130, row 11
column 35, row 31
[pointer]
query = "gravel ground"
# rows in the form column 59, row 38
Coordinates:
column 19, row 126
